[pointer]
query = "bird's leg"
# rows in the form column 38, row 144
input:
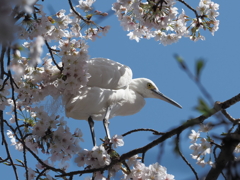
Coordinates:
column 91, row 125
column 106, row 121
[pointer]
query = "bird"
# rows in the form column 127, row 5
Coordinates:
column 111, row 91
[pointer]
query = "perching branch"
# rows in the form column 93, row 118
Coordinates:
column 143, row 129
column 189, row 123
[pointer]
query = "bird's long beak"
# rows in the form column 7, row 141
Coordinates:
column 161, row 96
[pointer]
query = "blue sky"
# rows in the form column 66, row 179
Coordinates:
column 154, row 61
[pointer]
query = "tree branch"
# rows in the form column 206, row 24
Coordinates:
column 195, row 12
column 33, row 154
column 189, row 123
column 85, row 20
column 143, row 129
column 225, row 156
column 15, row 110
column 230, row 118
column 184, row 159
column 50, row 51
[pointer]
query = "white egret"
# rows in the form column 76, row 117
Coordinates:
column 110, row 92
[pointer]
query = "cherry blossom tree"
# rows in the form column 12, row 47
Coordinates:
column 45, row 55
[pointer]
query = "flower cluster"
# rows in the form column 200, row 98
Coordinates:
column 159, row 20
column 62, row 71
column 140, row 171
column 200, row 150
column 97, row 157
column 132, row 169
column 50, row 134
column 208, row 11
column 53, row 76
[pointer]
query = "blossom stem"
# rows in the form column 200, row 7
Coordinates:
column 184, row 159
column 50, row 51
column 85, row 20
column 188, row 6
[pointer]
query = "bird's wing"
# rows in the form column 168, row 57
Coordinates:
column 108, row 74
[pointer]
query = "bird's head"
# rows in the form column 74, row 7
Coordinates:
column 148, row 89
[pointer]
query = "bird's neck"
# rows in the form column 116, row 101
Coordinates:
column 134, row 86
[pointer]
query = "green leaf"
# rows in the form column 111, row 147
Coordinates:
column 199, row 66
column 180, row 60
column 6, row 163
column 20, row 161
column 202, row 107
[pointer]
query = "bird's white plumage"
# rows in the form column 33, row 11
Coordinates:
column 111, row 84
column 93, row 101
column 108, row 74
column 110, row 92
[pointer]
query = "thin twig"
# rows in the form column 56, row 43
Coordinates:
column 85, row 20
column 184, row 159
column 34, row 155
column 143, row 129
column 4, row 83
column 10, row 164
column 230, row 118
column 143, row 156
column 54, row 50
column 3, row 160
column 6, row 146
column 214, row 152
column 15, row 111
column 4, row 142
column 198, row 83
column 50, row 51
column 230, row 130
column 161, row 151
column 223, row 175
column 194, row 10
column 200, row 86
column 41, row 173
column 2, row 61
column 216, row 145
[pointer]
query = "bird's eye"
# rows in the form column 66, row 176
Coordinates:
column 149, row 85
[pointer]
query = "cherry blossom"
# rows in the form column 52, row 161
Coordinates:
column 194, row 136
column 202, row 149
column 142, row 20
column 85, row 5
column 63, row 70
column 117, row 140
